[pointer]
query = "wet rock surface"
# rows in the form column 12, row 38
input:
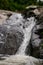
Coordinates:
column 35, row 48
column 4, row 15
column 37, row 39
column 11, row 36
column 13, row 41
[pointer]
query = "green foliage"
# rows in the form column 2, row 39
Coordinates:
column 17, row 4
column 40, row 3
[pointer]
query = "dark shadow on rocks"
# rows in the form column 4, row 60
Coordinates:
column 10, row 40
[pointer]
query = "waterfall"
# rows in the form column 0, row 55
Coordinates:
column 25, row 26
column 17, row 23
column 27, row 35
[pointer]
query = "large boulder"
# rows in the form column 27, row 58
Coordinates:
column 10, row 39
column 11, row 34
column 13, row 40
column 37, row 39
column 31, row 11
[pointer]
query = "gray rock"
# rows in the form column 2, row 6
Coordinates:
column 36, row 39
column 10, row 39
column 13, row 40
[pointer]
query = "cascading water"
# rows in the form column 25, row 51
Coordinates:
column 27, row 35
column 26, row 25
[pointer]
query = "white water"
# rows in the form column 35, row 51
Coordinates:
column 27, row 36
column 15, row 20
column 20, row 58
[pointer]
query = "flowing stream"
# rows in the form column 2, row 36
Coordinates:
column 26, row 25
column 27, row 35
